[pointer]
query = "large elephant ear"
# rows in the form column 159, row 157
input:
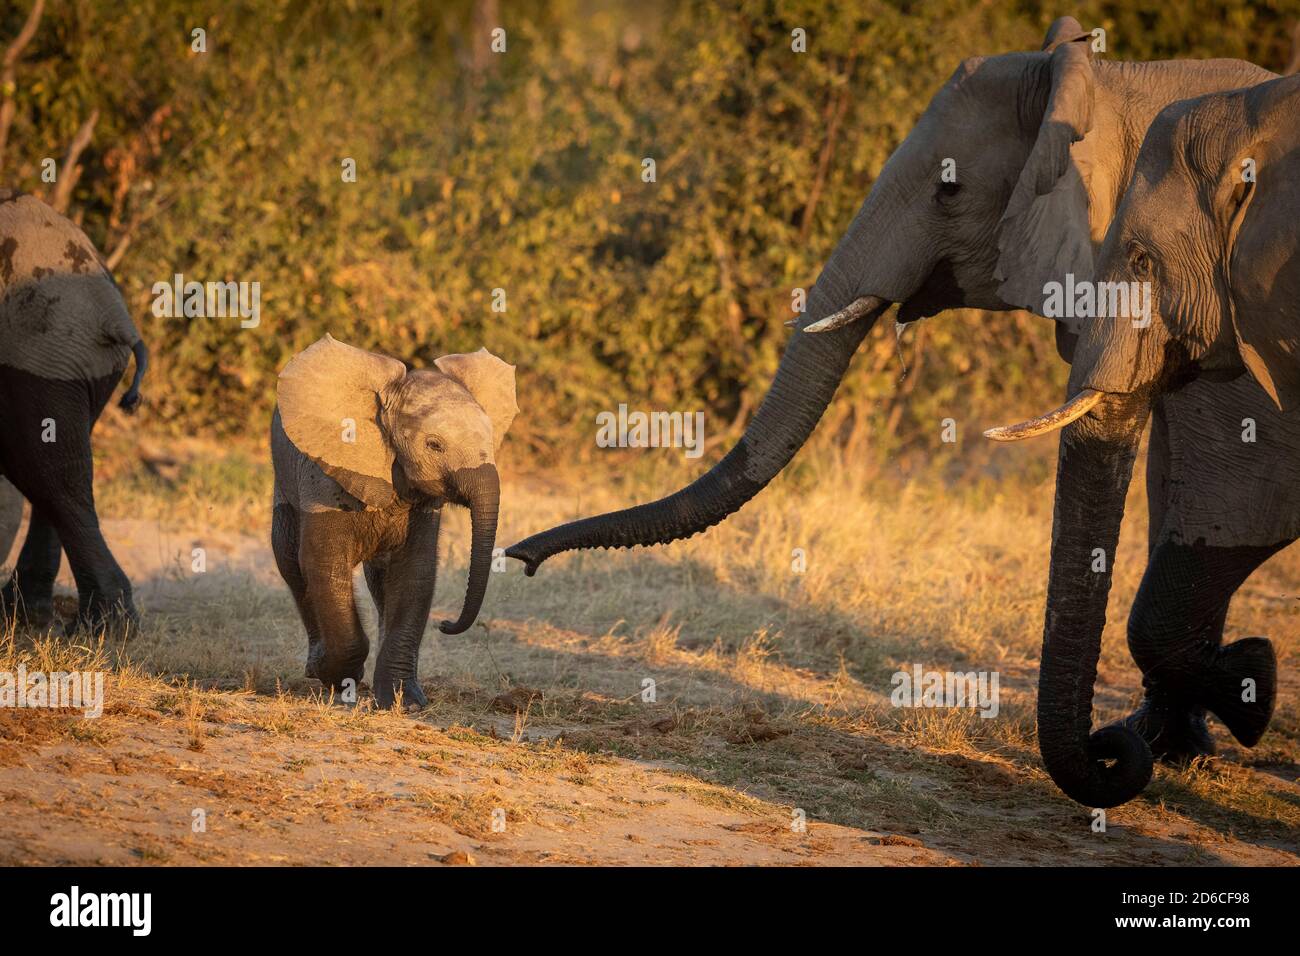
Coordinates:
column 1045, row 233
column 331, row 396
column 1263, row 242
column 492, row 383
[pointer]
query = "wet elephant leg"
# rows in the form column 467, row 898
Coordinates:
column 284, row 545
column 30, row 589
column 1175, row 633
column 327, row 553
column 407, row 589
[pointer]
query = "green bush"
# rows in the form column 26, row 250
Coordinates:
column 522, row 172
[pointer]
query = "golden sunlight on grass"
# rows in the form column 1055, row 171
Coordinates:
column 744, row 674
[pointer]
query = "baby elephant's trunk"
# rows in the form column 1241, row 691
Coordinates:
column 481, row 490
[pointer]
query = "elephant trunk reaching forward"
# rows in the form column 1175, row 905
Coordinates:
column 1006, row 183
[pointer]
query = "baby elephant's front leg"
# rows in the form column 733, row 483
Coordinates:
column 407, row 595
column 327, row 553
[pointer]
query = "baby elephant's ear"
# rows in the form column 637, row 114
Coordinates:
column 330, row 397
column 491, row 382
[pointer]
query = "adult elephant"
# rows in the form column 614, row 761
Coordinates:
column 65, row 340
column 1221, row 253
column 1043, row 145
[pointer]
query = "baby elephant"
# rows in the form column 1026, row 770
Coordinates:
column 365, row 455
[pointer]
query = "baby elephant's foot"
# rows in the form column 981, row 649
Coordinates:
column 341, row 673
column 391, row 678
column 387, row 687
column 315, row 656
column 1175, row 732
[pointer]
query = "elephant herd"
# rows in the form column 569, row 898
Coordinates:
column 1027, row 172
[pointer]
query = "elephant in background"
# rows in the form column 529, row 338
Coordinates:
column 1043, row 145
column 65, row 340
column 365, row 455
column 11, row 519
column 1211, row 221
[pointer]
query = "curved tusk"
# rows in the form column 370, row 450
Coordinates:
column 850, row 313
column 1071, row 411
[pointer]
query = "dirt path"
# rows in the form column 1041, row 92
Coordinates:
column 412, row 795
column 550, row 766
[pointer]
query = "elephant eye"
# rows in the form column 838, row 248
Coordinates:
column 1139, row 262
column 434, row 445
column 947, row 191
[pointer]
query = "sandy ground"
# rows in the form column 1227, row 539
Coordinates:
column 491, row 778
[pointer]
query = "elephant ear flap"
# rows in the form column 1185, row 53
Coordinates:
column 1045, row 233
column 492, row 383
column 1064, row 30
column 330, row 398
column 1268, row 340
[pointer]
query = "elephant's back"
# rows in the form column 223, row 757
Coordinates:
column 61, row 315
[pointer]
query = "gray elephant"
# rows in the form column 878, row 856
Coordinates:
column 11, row 519
column 365, row 455
column 1211, row 223
column 1042, row 145
column 65, row 340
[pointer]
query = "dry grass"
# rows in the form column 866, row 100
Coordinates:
column 770, row 683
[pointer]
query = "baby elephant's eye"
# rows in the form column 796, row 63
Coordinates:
column 1139, row 262
column 947, row 190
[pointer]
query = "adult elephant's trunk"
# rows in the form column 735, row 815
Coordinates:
column 480, row 488
column 805, row 383
column 1094, row 466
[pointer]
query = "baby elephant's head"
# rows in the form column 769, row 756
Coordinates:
column 444, row 437
column 386, row 434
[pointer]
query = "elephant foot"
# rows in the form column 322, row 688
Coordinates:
column 31, row 606
column 33, row 614
column 315, row 656
column 1175, row 733
column 112, row 613
column 1242, row 688
column 335, row 670
column 387, row 687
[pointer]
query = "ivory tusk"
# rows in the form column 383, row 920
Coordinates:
column 1071, row 411
column 850, row 313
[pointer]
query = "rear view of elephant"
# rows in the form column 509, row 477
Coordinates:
column 1042, row 145
column 365, row 455
column 65, row 340
column 1211, row 224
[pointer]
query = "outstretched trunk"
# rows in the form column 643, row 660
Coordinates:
column 1095, row 464
column 805, row 383
column 480, row 488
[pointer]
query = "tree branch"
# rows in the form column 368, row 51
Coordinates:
column 8, row 74
column 70, row 172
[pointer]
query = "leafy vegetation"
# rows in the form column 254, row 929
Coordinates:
column 522, row 172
